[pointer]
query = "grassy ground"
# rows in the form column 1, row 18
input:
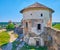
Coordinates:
column 57, row 26
column 27, row 47
column 4, row 38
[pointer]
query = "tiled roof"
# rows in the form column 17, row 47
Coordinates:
column 37, row 5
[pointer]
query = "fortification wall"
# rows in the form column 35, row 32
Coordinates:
column 55, row 34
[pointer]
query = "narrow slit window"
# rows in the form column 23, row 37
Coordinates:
column 26, row 25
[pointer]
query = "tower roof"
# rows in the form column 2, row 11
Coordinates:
column 37, row 5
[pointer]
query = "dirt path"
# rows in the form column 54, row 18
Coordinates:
column 12, row 37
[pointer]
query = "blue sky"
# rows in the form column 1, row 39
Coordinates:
column 9, row 9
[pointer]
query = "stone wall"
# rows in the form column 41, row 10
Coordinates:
column 55, row 34
column 54, row 43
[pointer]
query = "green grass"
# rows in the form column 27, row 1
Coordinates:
column 27, row 47
column 4, row 38
column 57, row 26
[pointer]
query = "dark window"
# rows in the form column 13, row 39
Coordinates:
column 39, row 26
column 30, row 14
column 26, row 25
column 37, row 43
column 41, row 14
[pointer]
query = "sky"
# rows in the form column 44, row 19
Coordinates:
column 9, row 9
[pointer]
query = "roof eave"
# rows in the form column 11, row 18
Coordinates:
column 37, row 7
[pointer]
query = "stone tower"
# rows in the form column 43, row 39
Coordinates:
column 35, row 18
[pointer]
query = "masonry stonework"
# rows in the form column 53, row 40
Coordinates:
column 37, row 22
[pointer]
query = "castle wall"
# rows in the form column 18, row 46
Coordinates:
column 55, row 34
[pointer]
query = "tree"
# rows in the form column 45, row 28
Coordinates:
column 10, row 26
column 0, row 27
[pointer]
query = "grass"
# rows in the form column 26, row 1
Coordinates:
column 27, row 47
column 57, row 26
column 4, row 38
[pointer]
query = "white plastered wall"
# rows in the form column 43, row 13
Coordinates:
column 36, row 14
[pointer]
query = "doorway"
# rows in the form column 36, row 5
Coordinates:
column 37, row 43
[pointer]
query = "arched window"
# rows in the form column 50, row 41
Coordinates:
column 39, row 26
column 26, row 25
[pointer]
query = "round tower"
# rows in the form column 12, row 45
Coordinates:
column 35, row 18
